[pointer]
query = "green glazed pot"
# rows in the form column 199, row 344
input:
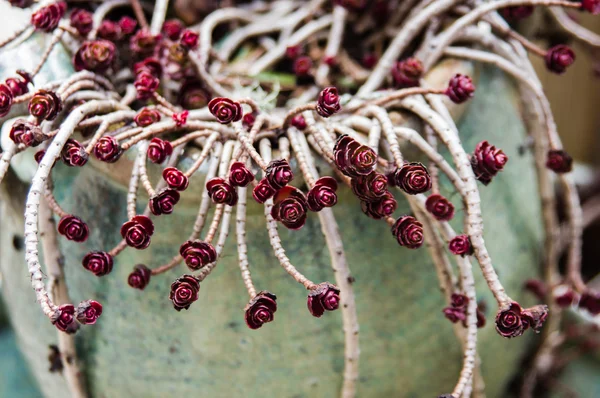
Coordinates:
column 141, row 347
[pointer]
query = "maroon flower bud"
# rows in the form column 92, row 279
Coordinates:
column 459, row 301
column 324, row 297
column 460, row 89
column 564, row 296
column 248, row 120
column 225, row 110
column 180, row 118
column 73, row 154
column 64, row 319
column 88, row 312
column 143, row 43
column 370, row 187
column 590, row 300
column 292, row 52
column 73, row 228
column 407, row 73
column 290, row 207
column 45, row 105
column 146, row 85
column 150, row 65
column 47, row 18
column 173, row 28
column 110, row 30
column 140, row 277
column 559, row 161
column 28, row 134
column 82, row 21
column 260, row 309
column 558, row 58
column 163, row 202
column 221, row 192
column 322, row 194
column 461, row 245
column 592, row 6
column 454, row 315
column 6, row 99
column 108, row 149
column 197, row 254
column 480, row 318
column 487, row 161
column 370, row 60
column 536, row 287
column 184, row 291
column 158, row 150
column 412, row 178
column 516, row 13
column 127, row 25
column 302, row 65
column 330, row 61
column 328, row 102
column 175, row 178
column 18, row 85
column 145, row 117
column 239, row 175
column 536, row 316
column 381, row 207
column 298, row 122
column 137, row 232
column 408, row 232
column 39, row 155
column 511, row 322
column 352, row 158
column 189, row 39
column 96, row 56
column 279, row 173
column 193, row 95
column 440, row 207
column 263, row 191
column 21, row 3
column 97, row 262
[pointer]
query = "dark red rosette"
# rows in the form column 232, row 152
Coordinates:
column 73, row 228
column 189, row 39
column 193, row 95
column 127, row 25
column 302, row 65
column 322, row 194
column 248, row 120
column 279, row 173
column 88, row 312
column 352, row 158
column 263, row 191
column 221, row 192
column 21, row 3
column 487, row 161
column 173, row 28
column 564, row 296
column 175, row 178
column 369, row 60
column 145, row 117
column 260, row 310
column 28, row 134
column 17, row 85
column 107, row 149
column 6, row 99
column 590, row 301
column 460, row 245
column 39, row 155
column 159, row 150
column 381, row 207
column 413, row 178
column 239, row 175
column 82, row 21
column 298, row 122
column 163, row 202
column 197, row 254
column 140, row 277
column 536, row 287
column 73, row 154
column 225, row 110
column 64, row 319
column 408, row 232
column 290, row 207
column 480, row 318
column 146, row 85
column 184, row 291
column 591, row 6
column 559, row 161
column 97, row 262
column 406, row 73
column 330, row 61
column 324, row 297
column 454, row 315
column 512, row 321
column 150, row 65
column 371, row 187
column 47, row 18
column 328, row 102
column 292, row 52
column 536, row 316
column 559, row 58
column 45, row 105
column 137, row 232
column 440, row 207
column 96, row 56
column 460, row 89
column 516, row 13
column 143, row 43
column 180, row 118
column 110, row 30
